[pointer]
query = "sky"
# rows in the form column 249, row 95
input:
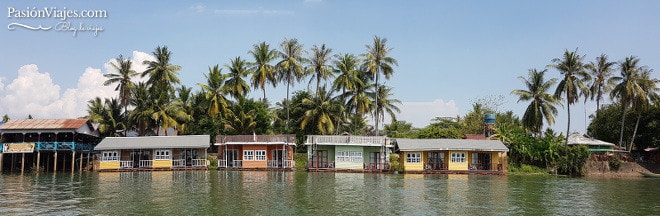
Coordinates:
column 449, row 53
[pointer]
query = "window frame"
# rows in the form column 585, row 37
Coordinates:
column 258, row 155
column 248, row 155
column 458, row 157
column 110, row 156
column 162, row 154
column 414, row 157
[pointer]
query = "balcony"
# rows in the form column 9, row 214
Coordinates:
column 376, row 166
column 126, row 165
column 231, row 164
column 314, row 164
column 348, row 140
column 280, row 164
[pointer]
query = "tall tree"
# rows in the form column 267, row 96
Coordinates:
column 571, row 67
column 325, row 112
column 542, row 105
column 122, row 78
column 140, row 116
column 236, row 85
column 601, row 70
column 263, row 72
column 346, row 66
column 642, row 102
column 214, row 91
column 162, row 75
column 378, row 62
column 319, row 67
column 627, row 88
column 290, row 69
column 385, row 103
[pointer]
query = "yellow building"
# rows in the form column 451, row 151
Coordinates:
column 153, row 152
column 452, row 156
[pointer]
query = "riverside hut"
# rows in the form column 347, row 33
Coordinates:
column 152, row 153
column 348, row 153
column 452, row 156
column 256, row 152
column 46, row 144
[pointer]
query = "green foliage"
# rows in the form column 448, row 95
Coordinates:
column 547, row 151
column 213, row 162
column 606, row 126
column 435, row 132
column 526, row 169
column 614, row 162
column 395, row 164
column 301, row 161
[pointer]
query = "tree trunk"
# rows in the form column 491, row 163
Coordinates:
column 568, row 127
column 377, row 110
column 288, row 103
column 623, row 120
column 632, row 140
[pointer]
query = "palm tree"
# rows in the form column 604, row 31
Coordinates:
column 377, row 62
column 627, row 88
column 123, row 80
column 642, row 102
column 573, row 71
column 108, row 115
column 601, row 70
column 318, row 65
column 263, row 72
column 325, row 112
column 236, row 86
column 170, row 115
column 290, row 68
column 143, row 105
column 238, row 121
column 214, row 91
column 346, row 66
column 542, row 103
column 385, row 104
column 162, row 74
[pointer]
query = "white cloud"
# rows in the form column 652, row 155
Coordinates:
column 421, row 113
column 34, row 93
column 2, row 85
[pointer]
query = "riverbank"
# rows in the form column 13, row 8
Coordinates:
column 625, row 170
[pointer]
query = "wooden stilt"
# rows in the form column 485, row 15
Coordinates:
column 55, row 162
column 81, row 162
column 1, row 162
column 38, row 160
column 73, row 161
column 22, row 163
column 11, row 168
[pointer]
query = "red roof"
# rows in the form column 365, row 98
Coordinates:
column 474, row 137
column 43, row 124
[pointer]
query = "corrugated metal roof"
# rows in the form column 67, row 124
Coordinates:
column 579, row 139
column 44, row 124
column 450, row 144
column 255, row 139
column 154, row 142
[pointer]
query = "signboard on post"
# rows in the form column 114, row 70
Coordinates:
column 18, row 147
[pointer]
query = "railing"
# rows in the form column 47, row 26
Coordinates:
column 179, row 163
column 257, row 138
column 235, row 163
column 377, row 166
column 146, row 163
column 125, row 164
column 339, row 139
column 321, row 164
column 280, row 163
column 199, row 162
column 479, row 166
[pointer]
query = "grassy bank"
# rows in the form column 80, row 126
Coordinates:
column 525, row 169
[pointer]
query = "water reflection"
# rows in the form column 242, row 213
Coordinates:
column 301, row 193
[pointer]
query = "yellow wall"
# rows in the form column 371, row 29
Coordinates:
column 104, row 165
column 458, row 166
column 162, row 164
column 412, row 166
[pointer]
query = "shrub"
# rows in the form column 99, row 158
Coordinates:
column 394, row 162
column 615, row 163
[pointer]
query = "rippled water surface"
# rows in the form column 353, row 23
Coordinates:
column 301, row 193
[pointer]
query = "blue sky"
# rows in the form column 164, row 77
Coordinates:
column 449, row 52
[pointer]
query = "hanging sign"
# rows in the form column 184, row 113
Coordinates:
column 18, row 147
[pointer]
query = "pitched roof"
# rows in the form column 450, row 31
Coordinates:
column 43, row 124
column 580, row 139
column 450, row 144
column 154, row 142
column 289, row 139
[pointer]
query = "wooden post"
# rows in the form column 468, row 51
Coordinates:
column 38, row 159
column 81, row 160
column 73, row 161
column 22, row 163
column 1, row 162
column 11, row 168
column 55, row 162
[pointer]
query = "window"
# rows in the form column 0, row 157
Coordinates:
column 414, row 157
column 356, row 157
column 162, row 155
column 260, row 155
column 458, row 157
column 343, row 156
column 248, row 155
column 110, row 156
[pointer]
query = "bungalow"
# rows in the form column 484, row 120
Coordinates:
column 452, row 155
column 256, row 151
column 592, row 144
column 348, row 153
column 152, row 152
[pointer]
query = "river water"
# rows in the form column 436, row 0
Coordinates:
column 301, row 193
